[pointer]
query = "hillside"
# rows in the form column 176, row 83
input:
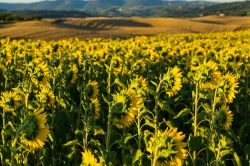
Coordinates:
column 53, row 29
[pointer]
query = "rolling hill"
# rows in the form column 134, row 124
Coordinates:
column 53, row 29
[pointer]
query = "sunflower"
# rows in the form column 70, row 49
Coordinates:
column 139, row 66
column 195, row 61
column 88, row 159
column 72, row 74
column 35, row 131
column 10, row 101
column 95, row 108
column 41, row 74
column 125, row 107
column 228, row 86
column 46, row 97
column 92, row 90
column 208, row 75
column 167, row 148
column 139, row 84
column 225, row 117
column 117, row 64
column 172, row 81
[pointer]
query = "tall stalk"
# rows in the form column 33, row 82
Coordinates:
column 213, row 116
column 196, row 100
column 109, row 126
column 139, row 136
column 156, row 108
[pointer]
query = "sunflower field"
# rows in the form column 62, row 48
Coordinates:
column 159, row 100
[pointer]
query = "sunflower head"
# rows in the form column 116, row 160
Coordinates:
column 227, row 87
column 46, row 97
column 94, row 108
column 167, row 147
column 10, row 101
column 225, row 118
column 40, row 74
column 172, row 81
column 208, row 75
column 139, row 66
column 117, row 64
column 72, row 74
column 88, row 159
column 35, row 131
column 92, row 90
column 140, row 85
column 125, row 108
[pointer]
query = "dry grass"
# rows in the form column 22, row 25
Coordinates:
column 120, row 27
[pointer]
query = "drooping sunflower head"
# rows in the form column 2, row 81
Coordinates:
column 172, row 81
column 208, row 75
column 195, row 62
column 139, row 66
column 227, row 89
column 35, row 131
column 126, row 105
column 167, row 147
column 154, row 57
column 46, row 96
column 117, row 64
column 225, row 117
column 10, row 101
column 41, row 73
column 139, row 84
column 72, row 74
column 88, row 159
column 92, row 90
column 95, row 108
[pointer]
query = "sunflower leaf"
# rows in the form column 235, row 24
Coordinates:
column 105, row 99
column 182, row 113
column 118, row 82
column 164, row 106
column 225, row 152
column 237, row 159
column 70, row 143
column 137, row 156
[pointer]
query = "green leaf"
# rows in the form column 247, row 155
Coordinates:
column 141, row 113
column 148, row 123
column 70, row 143
column 137, row 156
column 225, row 152
column 154, row 83
column 61, row 103
column 164, row 106
column 127, row 137
column 105, row 99
column 152, row 92
column 237, row 159
column 118, row 82
column 182, row 113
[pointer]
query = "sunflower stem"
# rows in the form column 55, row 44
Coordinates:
column 195, row 119
column 3, row 129
column 156, row 105
column 14, row 146
column 139, row 137
column 80, row 105
column 155, row 157
column 109, row 126
column 85, row 132
column 213, row 118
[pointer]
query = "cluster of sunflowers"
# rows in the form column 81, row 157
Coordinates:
column 159, row 100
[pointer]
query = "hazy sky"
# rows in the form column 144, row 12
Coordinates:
column 27, row 1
